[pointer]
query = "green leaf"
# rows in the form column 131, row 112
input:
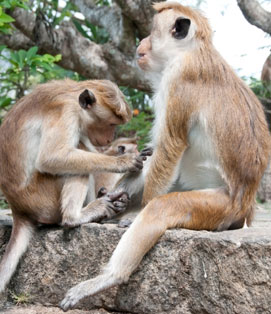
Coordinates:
column 5, row 102
column 31, row 53
column 58, row 57
column 2, row 47
column 80, row 29
column 14, row 57
column 22, row 55
column 6, row 18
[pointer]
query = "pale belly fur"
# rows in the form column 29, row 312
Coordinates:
column 199, row 167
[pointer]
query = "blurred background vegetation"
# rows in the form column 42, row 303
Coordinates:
column 23, row 65
column 22, row 69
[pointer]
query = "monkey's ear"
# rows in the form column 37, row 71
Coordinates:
column 181, row 28
column 86, row 99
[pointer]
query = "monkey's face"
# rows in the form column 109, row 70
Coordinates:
column 99, row 121
column 102, row 136
column 172, row 33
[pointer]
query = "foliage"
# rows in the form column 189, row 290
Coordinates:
column 3, row 204
column 262, row 90
column 94, row 33
column 22, row 68
column 137, row 99
column 21, row 65
column 5, row 19
column 139, row 125
column 22, row 298
column 51, row 13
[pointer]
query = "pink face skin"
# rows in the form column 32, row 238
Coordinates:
column 102, row 136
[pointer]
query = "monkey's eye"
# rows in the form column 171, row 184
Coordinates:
column 121, row 149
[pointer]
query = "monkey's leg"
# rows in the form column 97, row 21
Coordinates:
column 73, row 195
column 198, row 210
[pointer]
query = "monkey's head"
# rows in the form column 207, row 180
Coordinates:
column 103, row 108
column 176, row 30
column 122, row 145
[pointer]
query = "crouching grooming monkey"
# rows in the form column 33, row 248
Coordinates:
column 210, row 141
column 47, row 158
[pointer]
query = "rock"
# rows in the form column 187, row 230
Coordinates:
column 38, row 309
column 5, row 217
column 264, row 191
column 186, row 272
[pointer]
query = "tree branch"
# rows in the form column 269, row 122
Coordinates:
column 119, row 27
column 140, row 12
column 16, row 40
column 255, row 14
column 79, row 53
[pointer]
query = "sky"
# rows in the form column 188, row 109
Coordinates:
column 244, row 46
column 235, row 38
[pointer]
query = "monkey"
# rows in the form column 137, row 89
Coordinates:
column 210, row 144
column 266, row 71
column 48, row 158
column 120, row 146
column 105, row 181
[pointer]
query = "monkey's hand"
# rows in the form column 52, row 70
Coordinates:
column 130, row 162
column 146, row 152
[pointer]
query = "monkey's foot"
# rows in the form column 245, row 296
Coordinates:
column 125, row 223
column 73, row 296
column 117, row 202
column 88, row 288
column 105, row 207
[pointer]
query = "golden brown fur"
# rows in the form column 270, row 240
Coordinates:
column 210, row 139
column 48, row 158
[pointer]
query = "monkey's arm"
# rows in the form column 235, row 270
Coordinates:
column 58, row 154
column 163, row 168
column 133, row 182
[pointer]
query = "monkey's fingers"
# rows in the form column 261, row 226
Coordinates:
column 114, row 196
column 138, row 164
column 102, row 192
column 148, row 151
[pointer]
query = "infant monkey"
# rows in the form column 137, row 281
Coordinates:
column 105, row 181
column 48, row 158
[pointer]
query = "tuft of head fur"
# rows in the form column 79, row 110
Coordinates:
column 203, row 31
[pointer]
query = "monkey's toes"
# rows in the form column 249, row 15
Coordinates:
column 71, row 298
column 118, row 196
column 102, row 192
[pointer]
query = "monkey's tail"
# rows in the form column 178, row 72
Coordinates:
column 17, row 245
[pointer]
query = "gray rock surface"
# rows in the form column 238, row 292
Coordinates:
column 38, row 309
column 186, row 272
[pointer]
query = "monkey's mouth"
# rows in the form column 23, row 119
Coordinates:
column 140, row 56
column 141, row 59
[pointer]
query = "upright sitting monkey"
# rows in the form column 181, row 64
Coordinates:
column 47, row 158
column 210, row 140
